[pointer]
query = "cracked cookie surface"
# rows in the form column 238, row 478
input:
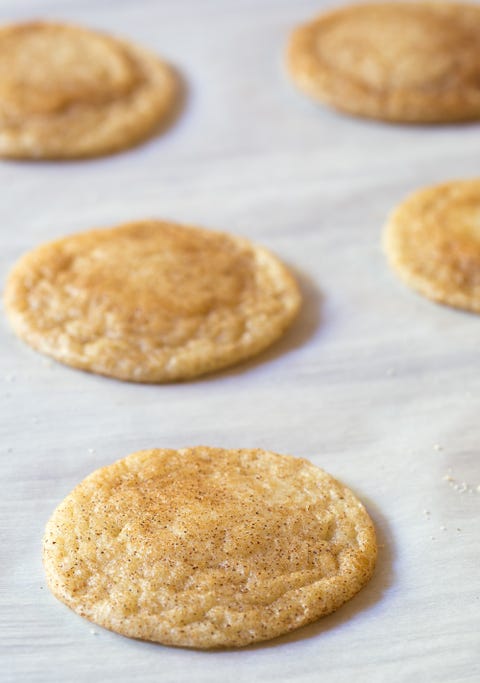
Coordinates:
column 405, row 62
column 69, row 92
column 150, row 301
column 432, row 241
column 205, row 547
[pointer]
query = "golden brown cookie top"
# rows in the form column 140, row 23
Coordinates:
column 67, row 91
column 151, row 300
column 392, row 60
column 433, row 241
column 207, row 547
column 45, row 68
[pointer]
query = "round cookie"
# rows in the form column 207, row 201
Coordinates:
column 150, row 301
column 204, row 547
column 432, row 241
column 405, row 62
column 69, row 92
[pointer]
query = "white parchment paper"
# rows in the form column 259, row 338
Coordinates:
column 375, row 384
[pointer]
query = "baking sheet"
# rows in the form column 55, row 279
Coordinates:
column 375, row 384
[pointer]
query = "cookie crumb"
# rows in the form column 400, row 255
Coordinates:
column 460, row 486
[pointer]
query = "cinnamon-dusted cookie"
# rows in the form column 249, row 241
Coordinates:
column 206, row 547
column 432, row 241
column 397, row 61
column 68, row 92
column 150, row 301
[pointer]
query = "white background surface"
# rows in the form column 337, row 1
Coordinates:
column 370, row 379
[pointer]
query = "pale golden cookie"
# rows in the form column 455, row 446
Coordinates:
column 433, row 242
column 205, row 547
column 150, row 301
column 397, row 61
column 69, row 92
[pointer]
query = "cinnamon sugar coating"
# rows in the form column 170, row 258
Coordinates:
column 205, row 547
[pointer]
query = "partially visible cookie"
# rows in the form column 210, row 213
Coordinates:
column 68, row 92
column 432, row 241
column 205, row 547
column 150, row 301
column 396, row 61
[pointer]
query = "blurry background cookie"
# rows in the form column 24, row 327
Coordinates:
column 150, row 301
column 206, row 547
column 69, row 92
column 406, row 62
column 433, row 242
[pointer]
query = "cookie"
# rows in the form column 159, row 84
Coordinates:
column 432, row 241
column 150, row 301
column 69, row 92
column 204, row 547
column 405, row 62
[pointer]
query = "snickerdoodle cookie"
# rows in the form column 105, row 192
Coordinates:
column 397, row 61
column 432, row 241
column 68, row 92
column 205, row 547
column 150, row 301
